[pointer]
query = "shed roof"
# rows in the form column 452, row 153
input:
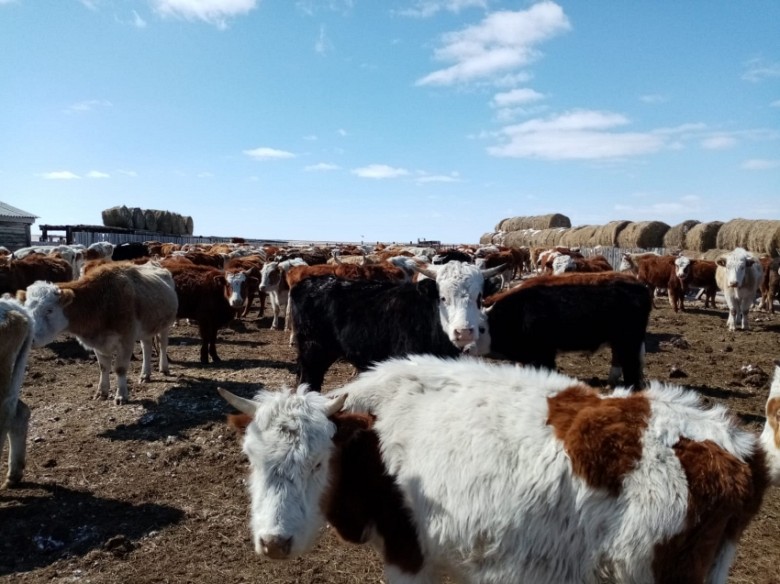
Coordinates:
column 9, row 212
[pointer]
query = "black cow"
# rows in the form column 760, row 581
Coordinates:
column 451, row 255
column 364, row 322
column 130, row 250
column 573, row 312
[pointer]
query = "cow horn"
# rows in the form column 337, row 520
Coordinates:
column 490, row 272
column 427, row 272
column 335, row 405
column 246, row 406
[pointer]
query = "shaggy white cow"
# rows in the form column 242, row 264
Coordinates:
column 496, row 474
column 108, row 309
column 738, row 276
column 15, row 342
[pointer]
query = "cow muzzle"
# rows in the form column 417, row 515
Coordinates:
column 464, row 336
column 276, row 548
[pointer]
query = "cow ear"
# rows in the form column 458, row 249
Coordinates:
column 239, row 422
column 21, row 295
column 428, row 287
column 220, row 280
column 66, row 297
column 749, row 262
column 721, row 262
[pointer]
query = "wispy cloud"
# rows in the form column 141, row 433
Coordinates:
column 775, row 103
column 580, row 134
column 760, row 164
column 130, row 173
column 137, row 21
column 341, row 132
column 425, row 178
column 60, row 175
column 379, row 171
column 264, row 153
column 3, row 2
column 205, row 175
column 718, row 142
column 322, row 45
column 321, row 167
column 97, row 174
column 215, row 12
column 88, row 105
column 310, row 138
column 311, row 7
column 91, row 4
column 502, row 43
column 653, row 98
column 428, row 8
column 515, row 97
column 683, row 207
column 759, row 69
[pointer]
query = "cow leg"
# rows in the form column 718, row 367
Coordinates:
column 162, row 341
column 747, row 303
column 275, row 309
column 615, row 371
column 210, row 341
column 631, row 357
column 121, row 365
column 146, row 367
column 250, row 295
column 104, row 362
column 17, row 444
column 313, row 362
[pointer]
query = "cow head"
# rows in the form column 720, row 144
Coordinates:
column 289, row 443
column 235, row 288
column 736, row 264
column 682, row 268
column 46, row 303
column 627, row 263
column 770, row 437
column 270, row 277
column 460, row 300
column 562, row 264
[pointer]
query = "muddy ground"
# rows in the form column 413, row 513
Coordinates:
column 154, row 491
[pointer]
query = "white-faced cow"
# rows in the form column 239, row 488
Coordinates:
column 499, row 474
column 273, row 283
column 738, row 277
column 699, row 273
column 108, row 309
column 15, row 343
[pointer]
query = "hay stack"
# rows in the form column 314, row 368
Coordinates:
column 139, row 220
column 607, row 235
column 150, row 220
column 518, row 238
column 189, row 225
column 644, row 234
column 703, row 237
column 119, row 216
column 498, row 225
column 676, row 236
column 712, row 254
column 760, row 236
column 534, row 222
column 579, row 236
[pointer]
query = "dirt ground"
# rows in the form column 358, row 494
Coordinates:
column 154, row 491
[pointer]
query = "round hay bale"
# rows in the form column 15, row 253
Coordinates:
column 534, row 222
column 581, row 236
column 498, row 225
column 190, row 225
column 139, row 221
column 150, row 220
column 517, row 238
column 487, row 238
column 178, row 225
column 764, row 237
column 704, row 236
column 734, row 234
column 643, row 234
column 119, row 216
column 548, row 237
column 607, row 235
column 164, row 221
column 676, row 235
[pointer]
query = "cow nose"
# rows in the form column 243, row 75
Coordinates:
column 465, row 335
column 732, row 284
column 276, row 548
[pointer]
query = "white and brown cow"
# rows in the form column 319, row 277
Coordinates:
column 738, row 277
column 499, row 474
column 15, row 342
column 108, row 309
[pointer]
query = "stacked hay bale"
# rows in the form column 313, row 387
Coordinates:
column 528, row 230
column 534, row 222
column 644, row 234
column 676, row 237
column 758, row 236
column 607, row 235
column 148, row 220
column 703, row 236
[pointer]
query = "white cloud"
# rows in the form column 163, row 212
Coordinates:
column 759, row 69
column 130, row 173
column 580, row 134
column 8, row 2
column 91, row 4
column 322, row 166
column 775, row 103
column 341, row 132
column 97, row 174
column 718, row 142
column 205, row 175
column 268, row 154
column 438, row 178
column 88, row 105
column 503, row 42
column 760, row 164
column 216, row 12
column 516, row 97
column 428, row 8
column 137, row 21
column 379, row 171
column 60, row 175
column 310, row 138
column 653, row 98
column 322, row 45
column 686, row 206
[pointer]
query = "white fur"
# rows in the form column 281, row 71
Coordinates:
column 738, row 278
column 236, row 280
column 490, row 487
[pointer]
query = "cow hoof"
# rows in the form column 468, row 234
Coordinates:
column 100, row 396
column 120, row 401
column 145, row 379
column 10, row 483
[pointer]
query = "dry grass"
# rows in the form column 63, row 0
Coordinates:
column 704, row 236
column 534, row 222
column 677, row 235
column 643, row 234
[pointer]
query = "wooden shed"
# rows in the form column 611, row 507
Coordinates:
column 15, row 227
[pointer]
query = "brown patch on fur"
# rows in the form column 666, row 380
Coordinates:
column 239, row 422
column 363, row 497
column 568, row 278
column 602, row 436
column 724, row 494
column 773, row 417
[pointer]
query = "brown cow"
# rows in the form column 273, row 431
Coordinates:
column 656, row 271
column 18, row 274
column 242, row 276
column 770, row 284
column 698, row 273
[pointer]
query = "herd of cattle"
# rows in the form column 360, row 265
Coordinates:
column 447, row 463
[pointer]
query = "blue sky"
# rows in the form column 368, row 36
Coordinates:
column 362, row 119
